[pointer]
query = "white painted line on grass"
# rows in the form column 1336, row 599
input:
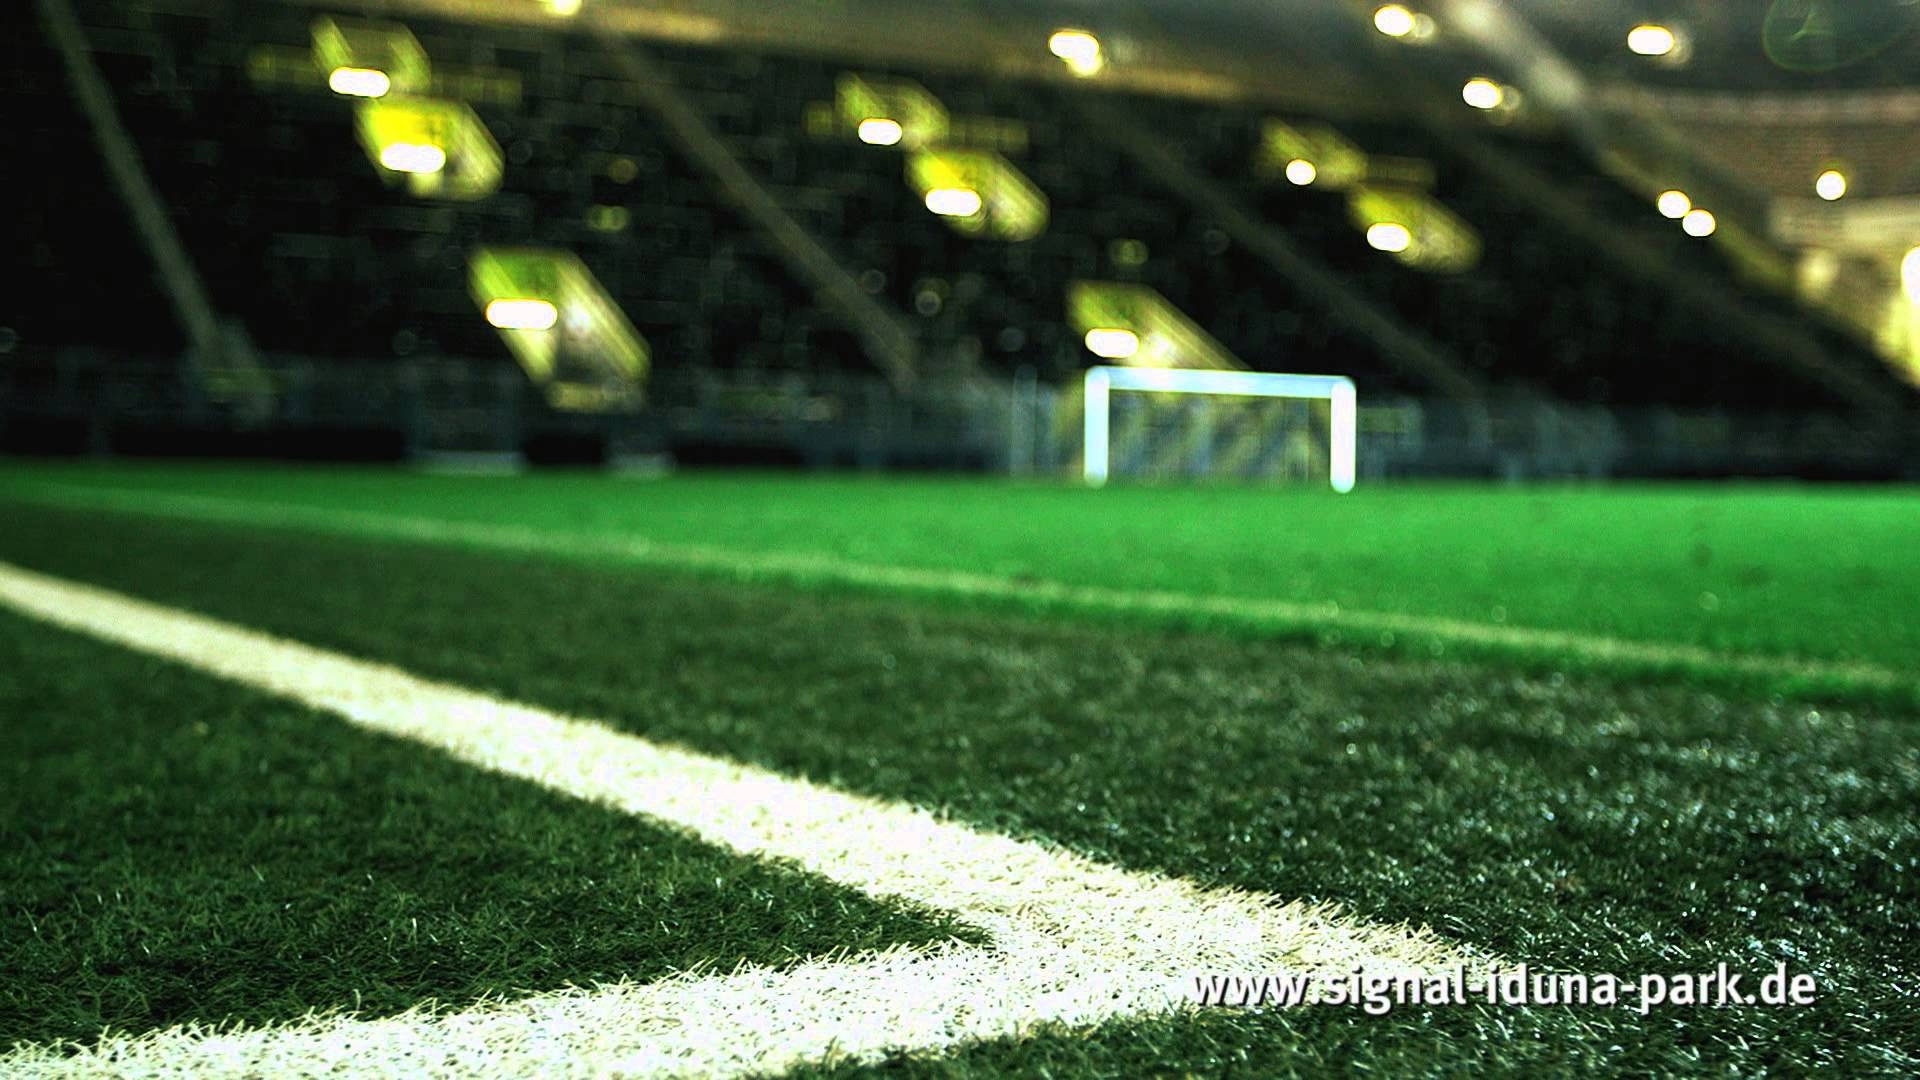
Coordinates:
column 1584, row 647
column 1074, row 941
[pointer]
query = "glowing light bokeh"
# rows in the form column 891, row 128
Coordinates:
column 1389, row 236
column 359, row 82
column 1109, row 344
column 1393, row 20
column 1483, row 93
column 522, row 315
column 1652, row 39
column 880, row 131
column 954, row 202
column 422, row 158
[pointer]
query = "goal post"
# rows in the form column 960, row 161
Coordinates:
column 1336, row 390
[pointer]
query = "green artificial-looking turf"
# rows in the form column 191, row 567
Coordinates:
column 1818, row 573
column 1583, row 826
column 173, row 848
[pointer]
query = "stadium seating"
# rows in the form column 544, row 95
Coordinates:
column 297, row 235
column 1000, row 303
column 1870, row 45
column 1541, row 310
column 269, row 187
column 80, row 275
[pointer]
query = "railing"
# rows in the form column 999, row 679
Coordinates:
column 84, row 401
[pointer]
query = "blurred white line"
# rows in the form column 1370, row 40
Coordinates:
column 1575, row 646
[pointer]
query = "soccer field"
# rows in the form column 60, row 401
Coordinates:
column 387, row 772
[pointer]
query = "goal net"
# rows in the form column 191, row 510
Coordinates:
column 1172, row 424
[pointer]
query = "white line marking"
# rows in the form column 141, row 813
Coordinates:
column 1075, row 941
column 1589, row 648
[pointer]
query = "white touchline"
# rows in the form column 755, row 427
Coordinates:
column 1256, row 611
column 1074, row 941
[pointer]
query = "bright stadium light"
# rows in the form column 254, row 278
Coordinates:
column 880, row 131
column 1831, row 185
column 522, row 315
column 954, row 202
column 1302, row 173
column 1910, row 274
column 423, row 158
column 1483, row 93
column 1080, row 51
column 1699, row 222
column 1652, row 39
column 1338, row 391
column 1393, row 20
column 1389, row 236
column 1113, row 344
column 1674, row 204
column 359, row 82
column 564, row 8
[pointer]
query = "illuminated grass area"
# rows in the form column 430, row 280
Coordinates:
column 1762, row 570
column 173, row 849
column 1564, row 821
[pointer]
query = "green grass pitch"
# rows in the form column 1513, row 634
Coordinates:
column 176, row 849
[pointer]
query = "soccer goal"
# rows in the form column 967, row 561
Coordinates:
column 1243, row 424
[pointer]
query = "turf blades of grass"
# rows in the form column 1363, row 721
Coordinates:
column 1820, row 573
column 174, row 849
column 1586, row 827
column 1244, row 609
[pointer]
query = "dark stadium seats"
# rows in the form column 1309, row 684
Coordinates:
column 295, row 232
column 297, row 235
column 1542, row 309
column 80, row 276
column 1004, row 303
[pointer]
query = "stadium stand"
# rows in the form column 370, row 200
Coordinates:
column 1541, row 310
column 1002, row 303
column 270, row 183
column 1819, row 47
column 74, row 251
column 299, row 239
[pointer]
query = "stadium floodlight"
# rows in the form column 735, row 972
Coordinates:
column 1652, row 39
column 1302, row 173
column 413, row 157
column 522, row 315
column 1389, row 236
column 359, row 82
column 1699, row 222
column 1393, row 20
column 1483, row 93
column 1831, row 185
column 887, row 111
column 1674, row 204
column 1910, row 274
column 1111, row 344
column 978, row 193
column 438, row 149
column 369, row 58
column 954, row 202
column 564, row 8
column 563, row 327
column 880, row 131
column 1080, row 50
column 1337, row 390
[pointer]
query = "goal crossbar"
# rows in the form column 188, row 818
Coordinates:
column 1336, row 390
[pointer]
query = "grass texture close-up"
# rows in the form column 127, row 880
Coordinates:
column 184, row 851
